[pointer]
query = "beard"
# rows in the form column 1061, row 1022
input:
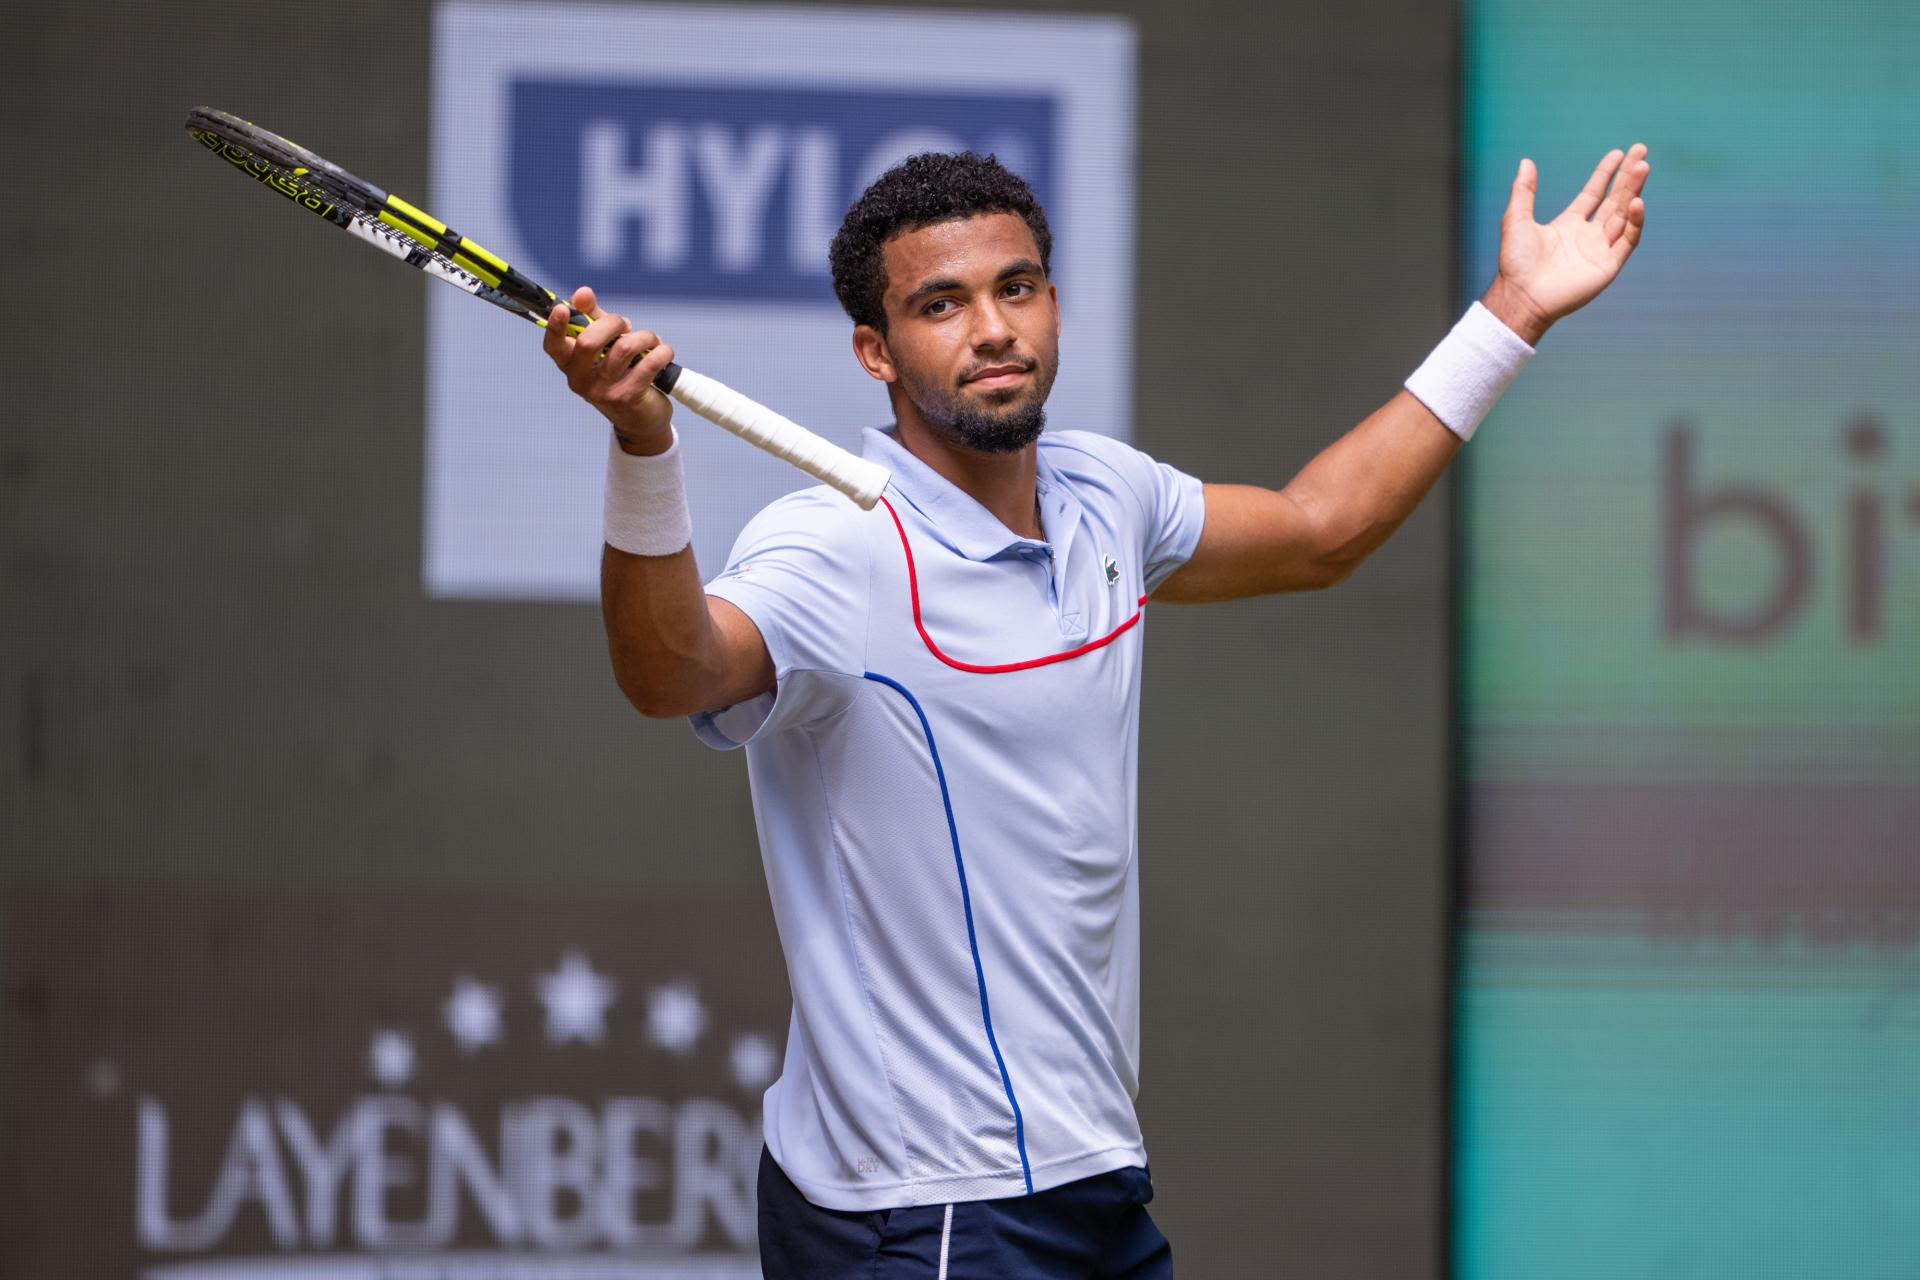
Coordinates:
column 1004, row 420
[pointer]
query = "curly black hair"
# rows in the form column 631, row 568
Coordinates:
column 919, row 192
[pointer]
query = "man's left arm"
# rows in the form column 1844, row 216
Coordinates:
column 1357, row 491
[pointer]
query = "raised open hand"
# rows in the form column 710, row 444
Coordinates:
column 1551, row 270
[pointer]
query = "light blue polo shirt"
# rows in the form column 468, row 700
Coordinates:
column 944, row 782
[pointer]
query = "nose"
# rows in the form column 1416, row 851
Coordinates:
column 990, row 328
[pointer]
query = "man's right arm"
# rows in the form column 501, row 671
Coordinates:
column 675, row 650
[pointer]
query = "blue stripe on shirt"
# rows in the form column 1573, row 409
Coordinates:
column 966, row 905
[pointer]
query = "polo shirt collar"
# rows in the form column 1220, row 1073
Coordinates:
column 960, row 521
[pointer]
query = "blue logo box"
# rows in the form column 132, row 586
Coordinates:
column 673, row 190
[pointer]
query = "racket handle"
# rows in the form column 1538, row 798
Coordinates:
column 780, row 436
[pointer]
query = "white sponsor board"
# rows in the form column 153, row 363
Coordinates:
column 692, row 164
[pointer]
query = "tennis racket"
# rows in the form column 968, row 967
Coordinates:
column 420, row 240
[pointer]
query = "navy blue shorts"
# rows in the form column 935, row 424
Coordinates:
column 1093, row 1229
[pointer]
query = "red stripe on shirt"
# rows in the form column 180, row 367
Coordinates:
column 913, row 588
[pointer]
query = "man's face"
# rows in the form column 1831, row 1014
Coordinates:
column 973, row 329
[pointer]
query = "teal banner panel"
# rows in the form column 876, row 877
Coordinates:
column 1688, row 1008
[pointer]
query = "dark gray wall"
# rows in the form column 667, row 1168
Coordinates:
column 218, row 669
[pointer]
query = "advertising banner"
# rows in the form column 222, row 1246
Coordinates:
column 1689, row 1025
column 384, row 1087
column 692, row 165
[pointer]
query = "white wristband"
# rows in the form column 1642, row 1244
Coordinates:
column 1469, row 370
column 646, row 501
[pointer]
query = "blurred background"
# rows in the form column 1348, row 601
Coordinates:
column 1688, row 1028
column 1545, row 901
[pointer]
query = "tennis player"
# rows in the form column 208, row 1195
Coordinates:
column 939, row 700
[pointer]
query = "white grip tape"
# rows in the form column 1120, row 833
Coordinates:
column 782, row 437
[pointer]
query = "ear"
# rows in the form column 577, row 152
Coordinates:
column 870, row 348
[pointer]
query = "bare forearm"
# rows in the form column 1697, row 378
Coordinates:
column 660, row 636
column 675, row 649
column 1360, row 488
column 1346, row 502
column 667, row 654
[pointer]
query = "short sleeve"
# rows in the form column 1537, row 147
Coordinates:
column 800, row 571
column 1171, row 503
column 1176, row 509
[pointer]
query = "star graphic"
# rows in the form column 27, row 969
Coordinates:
column 577, row 1000
column 473, row 1014
column 675, row 1017
column 391, row 1058
column 753, row 1061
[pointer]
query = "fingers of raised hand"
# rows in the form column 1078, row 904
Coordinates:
column 653, row 357
column 1630, row 225
column 587, row 348
column 624, row 352
column 1589, row 198
column 556, row 342
column 1627, row 185
column 560, row 340
column 1525, row 183
column 625, row 349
